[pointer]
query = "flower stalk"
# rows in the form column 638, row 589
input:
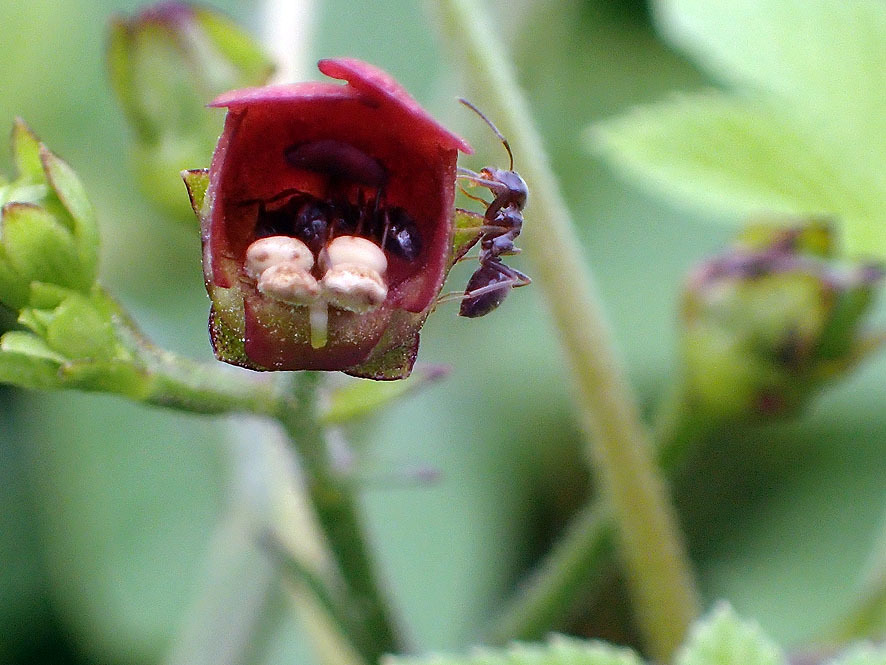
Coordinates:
column 657, row 567
column 338, row 515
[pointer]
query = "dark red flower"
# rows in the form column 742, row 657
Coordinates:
column 304, row 165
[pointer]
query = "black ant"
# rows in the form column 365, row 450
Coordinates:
column 503, row 220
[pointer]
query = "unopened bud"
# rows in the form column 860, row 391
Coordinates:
column 165, row 64
column 769, row 321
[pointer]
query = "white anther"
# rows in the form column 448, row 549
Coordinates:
column 353, row 250
column 275, row 250
column 289, row 282
column 354, row 288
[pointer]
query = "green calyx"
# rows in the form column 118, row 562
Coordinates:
column 48, row 229
column 768, row 322
column 72, row 333
column 72, row 339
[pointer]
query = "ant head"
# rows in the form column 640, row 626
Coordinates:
column 500, row 136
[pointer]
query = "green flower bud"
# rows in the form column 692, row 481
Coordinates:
column 165, row 65
column 48, row 230
column 74, row 340
column 768, row 322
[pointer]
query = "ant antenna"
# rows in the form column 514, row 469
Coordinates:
column 501, row 138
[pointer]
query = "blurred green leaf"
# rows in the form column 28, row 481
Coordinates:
column 741, row 157
column 165, row 64
column 863, row 654
column 362, row 397
column 79, row 330
column 559, row 651
column 23, row 343
column 245, row 62
column 827, row 58
column 807, row 134
column 722, row 638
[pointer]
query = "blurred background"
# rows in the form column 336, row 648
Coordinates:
column 107, row 509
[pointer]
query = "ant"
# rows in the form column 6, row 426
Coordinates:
column 503, row 220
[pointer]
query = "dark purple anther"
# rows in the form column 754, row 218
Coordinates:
column 341, row 161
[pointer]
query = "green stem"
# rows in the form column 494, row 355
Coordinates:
column 208, row 388
column 657, row 568
column 581, row 559
column 338, row 515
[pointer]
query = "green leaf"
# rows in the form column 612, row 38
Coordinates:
column 26, row 153
column 361, row 398
column 722, row 638
column 559, row 651
column 827, row 57
column 73, row 196
column 740, row 157
column 862, row 654
column 47, row 296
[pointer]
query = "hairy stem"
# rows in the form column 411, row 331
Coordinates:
column 657, row 568
column 208, row 388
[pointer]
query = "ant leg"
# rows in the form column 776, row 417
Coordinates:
column 515, row 280
column 282, row 195
column 468, row 258
column 475, row 198
column 521, row 279
column 384, row 235
column 361, row 206
column 480, row 180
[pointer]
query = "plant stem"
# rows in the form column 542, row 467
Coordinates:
column 582, row 557
column 208, row 388
column 657, row 568
column 337, row 512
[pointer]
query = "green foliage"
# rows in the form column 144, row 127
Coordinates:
column 862, row 654
column 74, row 334
column 722, row 638
column 558, row 651
column 804, row 134
column 360, row 398
column 48, row 230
